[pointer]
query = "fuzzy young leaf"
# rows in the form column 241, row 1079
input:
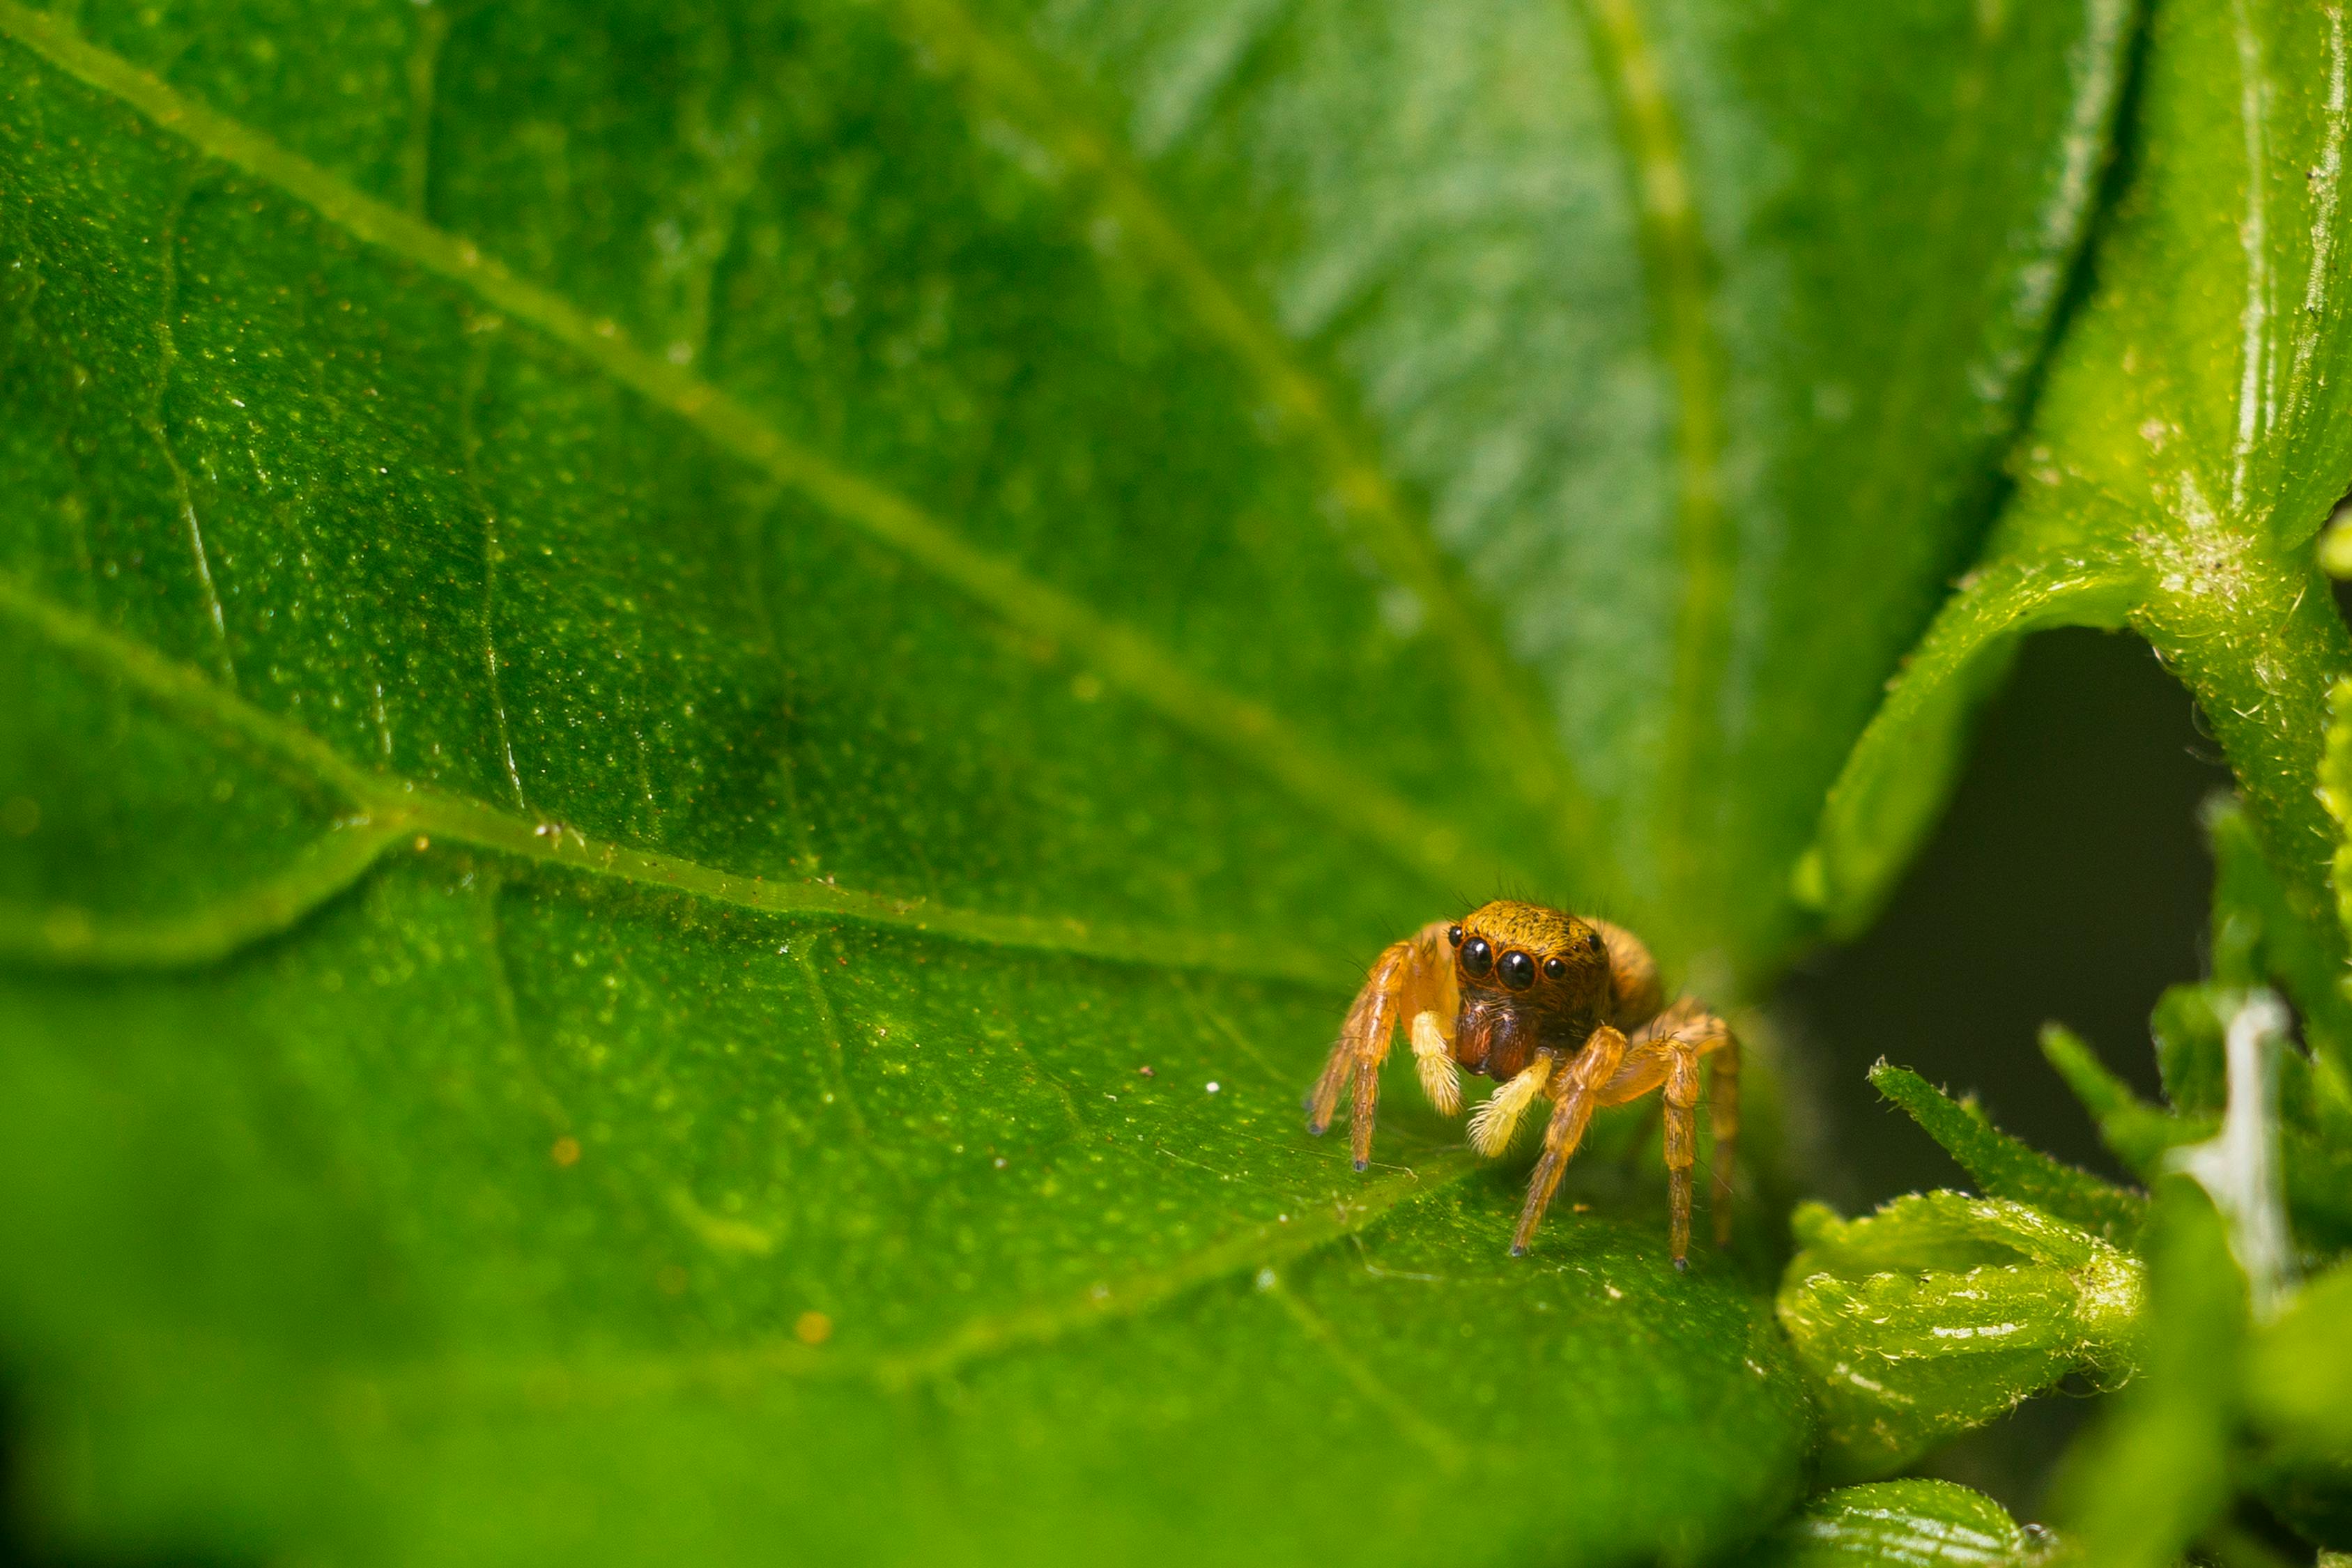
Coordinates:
column 2195, row 433
column 1911, row 1523
column 1940, row 1311
column 2005, row 1168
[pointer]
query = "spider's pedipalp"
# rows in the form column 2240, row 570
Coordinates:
column 1433, row 1063
column 1492, row 1124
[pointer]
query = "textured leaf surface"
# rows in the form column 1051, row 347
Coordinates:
column 2005, row 1168
column 1916, row 1523
column 662, row 648
column 1942, row 1310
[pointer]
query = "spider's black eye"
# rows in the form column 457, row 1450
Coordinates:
column 1555, row 968
column 1454, row 935
column 1592, row 939
column 1518, row 970
column 1476, row 956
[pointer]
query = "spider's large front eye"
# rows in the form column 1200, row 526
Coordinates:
column 1476, row 956
column 1517, row 970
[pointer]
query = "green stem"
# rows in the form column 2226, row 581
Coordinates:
column 2260, row 644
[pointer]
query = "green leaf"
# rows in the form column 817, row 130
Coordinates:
column 2299, row 1397
column 2259, row 940
column 2336, row 791
column 2137, row 1132
column 1940, row 1311
column 2005, row 1168
column 663, row 648
column 2299, row 1373
column 2155, row 1473
column 2195, row 433
column 1910, row 1523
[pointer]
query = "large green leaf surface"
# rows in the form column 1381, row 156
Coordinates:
column 706, row 708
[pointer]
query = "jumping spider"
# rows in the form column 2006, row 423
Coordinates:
column 1544, row 1003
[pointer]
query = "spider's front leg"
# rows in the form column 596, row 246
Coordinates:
column 1574, row 1092
column 1411, row 983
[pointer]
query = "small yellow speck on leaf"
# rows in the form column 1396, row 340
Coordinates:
column 812, row 1329
column 566, row 1151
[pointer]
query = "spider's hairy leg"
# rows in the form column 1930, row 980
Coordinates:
column 1723, row 1116
column 1632, row 975
column 1682, row 1136
column 1410, row 978
column 1666, row 1056
column 1574, row 1092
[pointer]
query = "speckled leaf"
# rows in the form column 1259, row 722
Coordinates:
column 1912, row 1523
column 2195, row 433
column 653, row 651
column 1942, row 1310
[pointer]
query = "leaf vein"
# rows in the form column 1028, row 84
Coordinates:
column 167, row 364
column 1242, row 730
column 390, row 808
column 983, row 1339
column 1677, row 269
column 1495, row 693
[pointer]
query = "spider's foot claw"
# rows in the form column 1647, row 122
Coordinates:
column 1364, row 1164
column 1682, row 1264
column 1518, row 1251
column 1316, row 1129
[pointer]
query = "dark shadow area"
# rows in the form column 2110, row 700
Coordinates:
column 2068, row 881
column 22, row 1547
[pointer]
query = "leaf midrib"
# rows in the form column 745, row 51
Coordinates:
column 464, row 1379
column 387, row 810
column 1677, row 269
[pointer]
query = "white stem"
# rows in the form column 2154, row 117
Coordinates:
column 2239, row 1167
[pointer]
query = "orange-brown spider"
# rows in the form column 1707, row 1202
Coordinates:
column 1544, row 1003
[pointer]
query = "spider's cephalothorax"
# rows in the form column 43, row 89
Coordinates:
column 1546, row 1004
column 1529, row 976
